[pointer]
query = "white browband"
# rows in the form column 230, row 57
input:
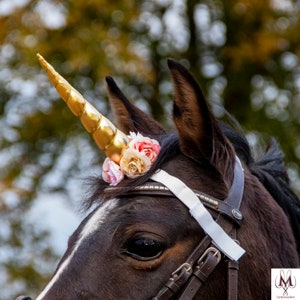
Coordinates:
column 220, row 238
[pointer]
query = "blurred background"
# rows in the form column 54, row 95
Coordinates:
column 244, row 53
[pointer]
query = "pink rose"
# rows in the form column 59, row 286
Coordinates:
column 111, row 172
column 149, row 147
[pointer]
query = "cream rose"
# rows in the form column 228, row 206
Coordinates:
column 134, row 163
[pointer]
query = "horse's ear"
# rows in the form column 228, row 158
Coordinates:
column 129, row 117
column 199, row 133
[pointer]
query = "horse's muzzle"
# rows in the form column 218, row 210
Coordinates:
column 23, row 298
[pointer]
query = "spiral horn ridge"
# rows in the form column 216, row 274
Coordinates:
column 106, row 135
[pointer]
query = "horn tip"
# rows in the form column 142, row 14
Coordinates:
column 45, row 65
column 40, row 57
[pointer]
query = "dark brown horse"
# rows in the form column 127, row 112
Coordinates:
column 139, row 231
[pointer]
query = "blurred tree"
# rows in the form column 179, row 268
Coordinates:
column 244, row 53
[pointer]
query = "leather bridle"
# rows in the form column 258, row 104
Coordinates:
column 188, row 278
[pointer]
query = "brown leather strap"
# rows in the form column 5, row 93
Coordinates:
column 175, row 283
column 232, row 288
column 204, row 268
column 150, row 188
column 195, row 283
column 168, row 289
column 232, row 275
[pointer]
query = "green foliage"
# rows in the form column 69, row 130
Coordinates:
column 244, row 53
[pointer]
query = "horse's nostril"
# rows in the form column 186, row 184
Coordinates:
column 23, row 298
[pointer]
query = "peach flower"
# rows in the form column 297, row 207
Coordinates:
column 134, row 163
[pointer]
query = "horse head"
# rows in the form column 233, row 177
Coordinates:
column 141, row 229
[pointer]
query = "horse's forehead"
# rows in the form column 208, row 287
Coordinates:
column 128, row 212
column 98, row 217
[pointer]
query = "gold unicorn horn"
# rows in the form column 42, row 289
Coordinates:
column 106, row 135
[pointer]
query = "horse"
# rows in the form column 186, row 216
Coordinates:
column 203, row 221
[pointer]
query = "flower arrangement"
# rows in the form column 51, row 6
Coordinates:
column 136, row 159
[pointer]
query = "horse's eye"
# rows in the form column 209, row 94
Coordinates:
column 144, row 248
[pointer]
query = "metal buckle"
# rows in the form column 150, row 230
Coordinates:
column 216, row 252
column 184, row 267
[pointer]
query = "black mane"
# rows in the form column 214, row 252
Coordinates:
column 271, row 172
